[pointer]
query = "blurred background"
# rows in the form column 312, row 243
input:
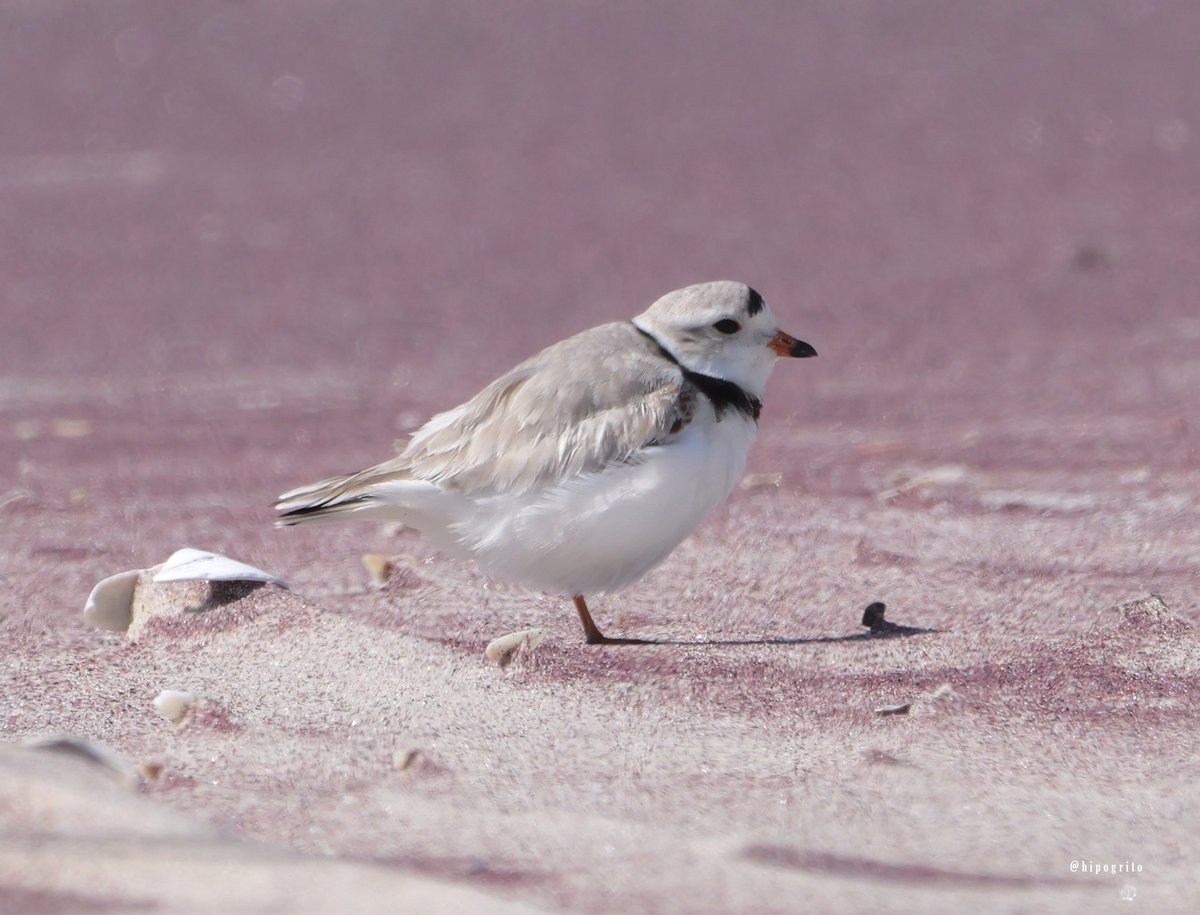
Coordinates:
column 246, row 244
column 196, row 186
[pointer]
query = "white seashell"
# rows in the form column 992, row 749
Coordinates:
column 173, row 704
column 188, row 564
column 110, row 605
column 502, row 650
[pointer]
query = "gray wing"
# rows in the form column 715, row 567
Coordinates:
column 576, row 407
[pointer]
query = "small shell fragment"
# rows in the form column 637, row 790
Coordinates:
column 901, row 709
column 504, row 649
column 110, row 605
column 943, row 475
column 403, row 760
column 151, row 769
column 174, row 704
column 188, row 564
column 411, row 762
column 945, row 691
column 379, row 568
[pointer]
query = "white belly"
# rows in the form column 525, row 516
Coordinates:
column 600, row 532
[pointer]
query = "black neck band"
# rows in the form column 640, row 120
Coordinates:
column 725, row 395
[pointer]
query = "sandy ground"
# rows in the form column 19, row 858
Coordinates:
column 246, row 246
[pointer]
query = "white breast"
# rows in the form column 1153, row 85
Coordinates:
column 602, row 531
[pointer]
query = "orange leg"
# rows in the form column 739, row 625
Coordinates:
column 591, row 632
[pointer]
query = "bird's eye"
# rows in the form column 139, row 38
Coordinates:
column 728, row 326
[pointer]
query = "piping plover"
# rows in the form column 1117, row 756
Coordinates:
column 586, row 465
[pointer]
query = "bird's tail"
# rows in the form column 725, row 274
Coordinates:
column 335, row 499
column 383, row 493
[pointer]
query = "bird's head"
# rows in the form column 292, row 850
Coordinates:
column 723, row 329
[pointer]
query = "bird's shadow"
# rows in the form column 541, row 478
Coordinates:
column 892, row 632
column 873, row 618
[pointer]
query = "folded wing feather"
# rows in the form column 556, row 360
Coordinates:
column 589, row 401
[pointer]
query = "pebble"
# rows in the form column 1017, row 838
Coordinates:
column 174, row 704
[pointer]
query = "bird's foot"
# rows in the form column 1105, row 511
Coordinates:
column 599, row 638
column 591, row 632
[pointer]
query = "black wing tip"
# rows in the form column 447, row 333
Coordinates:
column 304, row 513
column 296, row 516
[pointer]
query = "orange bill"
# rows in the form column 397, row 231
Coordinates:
column 786, row 345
